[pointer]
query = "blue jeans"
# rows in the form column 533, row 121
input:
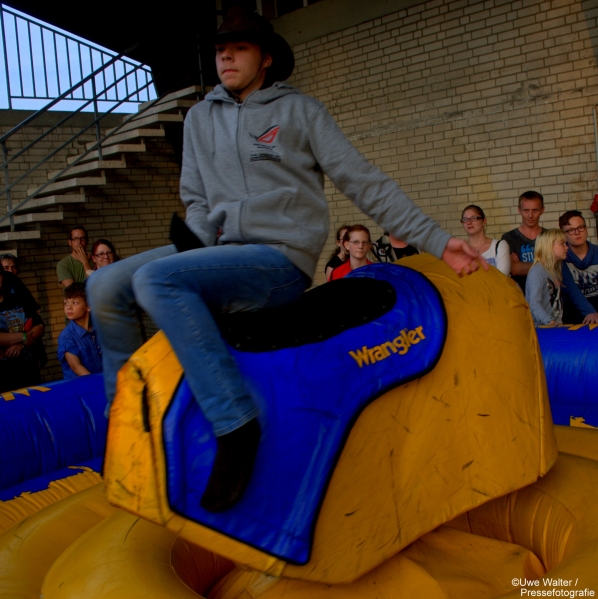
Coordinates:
column 179, row 292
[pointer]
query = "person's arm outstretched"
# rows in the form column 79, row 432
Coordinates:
column 382, row 199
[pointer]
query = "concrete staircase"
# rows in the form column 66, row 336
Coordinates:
column 68, row 186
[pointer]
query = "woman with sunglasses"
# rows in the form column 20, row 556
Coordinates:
column 357, row 243
column 495, row 252
column 102, row 254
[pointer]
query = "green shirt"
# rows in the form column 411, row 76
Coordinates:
column 69, row 268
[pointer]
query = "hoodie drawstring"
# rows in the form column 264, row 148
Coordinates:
column 211, row 131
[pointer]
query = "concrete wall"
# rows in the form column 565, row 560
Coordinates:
column 133, row 210
column 462, row 102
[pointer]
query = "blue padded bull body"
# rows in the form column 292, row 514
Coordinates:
column 309, row 396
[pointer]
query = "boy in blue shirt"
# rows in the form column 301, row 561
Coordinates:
column 580, row 272
column 78, row 349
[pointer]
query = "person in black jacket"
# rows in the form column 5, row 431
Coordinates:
column 20, row 328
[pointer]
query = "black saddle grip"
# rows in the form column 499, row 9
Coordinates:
column 182, row 236
column 320, row 314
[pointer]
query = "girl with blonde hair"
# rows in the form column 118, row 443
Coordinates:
column 544, row 281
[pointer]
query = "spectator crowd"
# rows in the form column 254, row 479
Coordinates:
column 556, row 269
column 22, row 350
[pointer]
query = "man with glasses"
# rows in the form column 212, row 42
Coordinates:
column 72, row 268
column 522, row 240
column 580, row 273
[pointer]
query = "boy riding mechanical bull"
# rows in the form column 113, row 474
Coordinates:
column 255, row 153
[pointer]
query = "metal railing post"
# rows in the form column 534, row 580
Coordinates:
column 7, row 180
column 95, row 113
column 5, row 59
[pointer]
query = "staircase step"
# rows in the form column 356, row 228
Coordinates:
column 19, row 235
column 173, row 105
column 154, row 119
column 132, row 134
column 55, row 200
column 193, row 90
column 69, row 184
column 109, row 151
column 97, row 165
column 37, row 217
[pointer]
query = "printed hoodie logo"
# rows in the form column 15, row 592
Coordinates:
column 269, row 135
column 265, row 148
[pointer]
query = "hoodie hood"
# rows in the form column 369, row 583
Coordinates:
column 260, row 96
column 591, row 258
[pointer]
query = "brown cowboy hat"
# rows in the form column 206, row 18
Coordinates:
column 243, row 25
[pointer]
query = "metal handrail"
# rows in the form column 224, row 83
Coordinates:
column 91, row 77
column 96, row 121
column 16, row 208
column 62, row 122
column 37, row 66
column 62, row 97
column 115, row 104
column 96, row 146
column 21, row 30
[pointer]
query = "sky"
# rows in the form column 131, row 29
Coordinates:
column 41, row 61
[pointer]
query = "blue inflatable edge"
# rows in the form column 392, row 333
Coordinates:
column 570, row 357
column 46, row 429
column 41, row 483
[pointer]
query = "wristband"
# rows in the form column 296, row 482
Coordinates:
column 24, row 339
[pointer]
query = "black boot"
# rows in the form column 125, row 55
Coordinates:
column 232, row 468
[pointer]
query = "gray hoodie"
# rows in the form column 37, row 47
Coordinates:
column 256, row 171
